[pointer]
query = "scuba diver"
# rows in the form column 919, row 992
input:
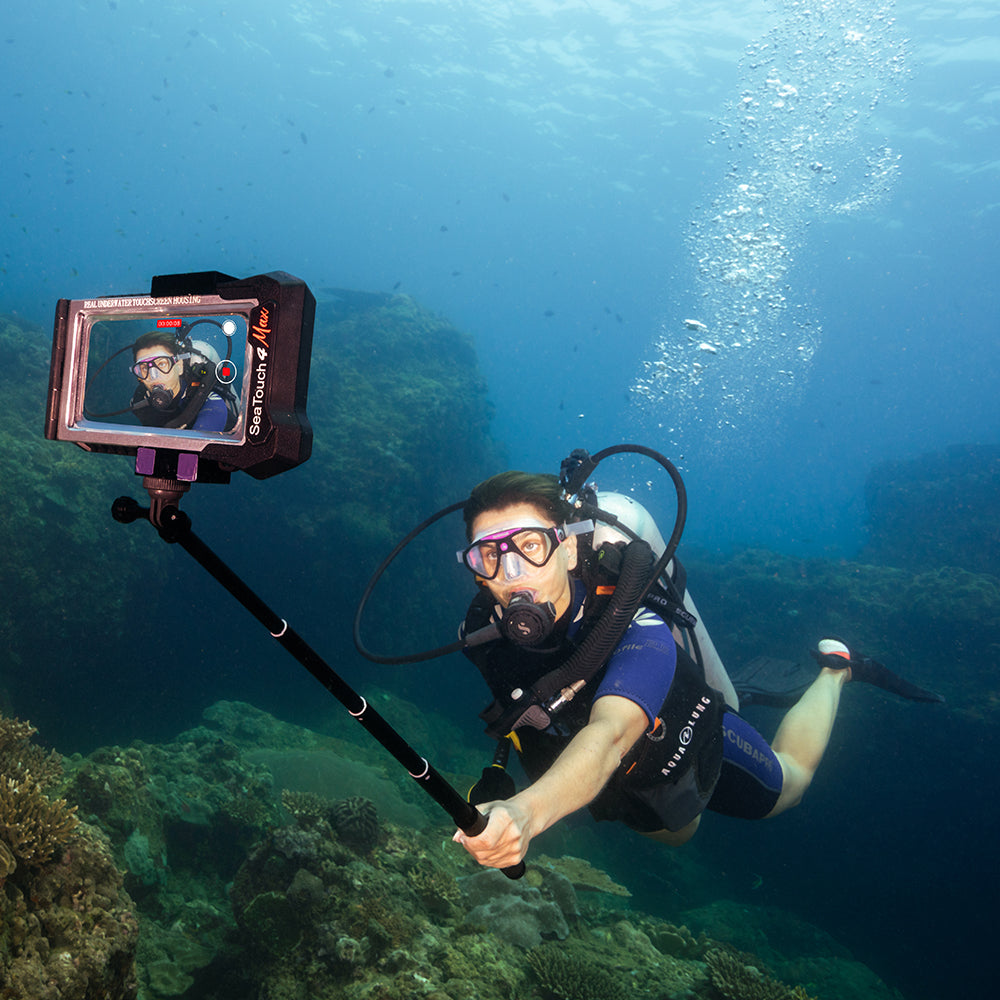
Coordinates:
column 644, row 729
column 178, row 387
column 605, row 680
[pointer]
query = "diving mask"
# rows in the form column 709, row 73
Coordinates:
column 162, row 363
column 517, row 548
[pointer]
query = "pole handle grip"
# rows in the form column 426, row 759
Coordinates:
column 475, row 827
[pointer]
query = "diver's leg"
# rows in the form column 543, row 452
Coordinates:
column 678, row 837
column 803, row 735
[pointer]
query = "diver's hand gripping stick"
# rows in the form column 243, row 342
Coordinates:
column 175, row 527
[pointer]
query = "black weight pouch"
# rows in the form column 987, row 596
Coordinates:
column 667, row 778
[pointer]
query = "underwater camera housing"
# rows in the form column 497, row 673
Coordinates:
column 237, row 352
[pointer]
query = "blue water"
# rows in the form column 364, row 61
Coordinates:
column 550, row 176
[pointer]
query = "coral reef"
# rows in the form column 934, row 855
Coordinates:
column 914, row 623
column 517, row 913
column 328, row 774
column 438, row 889
column 678, row 941
column 305, row 807
column 356, row 821
column 736, row 978
column 279, row 904
column 582, row 874
column 54, row 546
column 32, row 826
column 401, row 386
column 570, row 978
column 19, row 756
column 180, row 817
column 67, row 931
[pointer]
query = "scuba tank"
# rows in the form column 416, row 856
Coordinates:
column 632, row 514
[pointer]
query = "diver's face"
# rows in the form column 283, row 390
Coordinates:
column 169, row 380
column 550, row 582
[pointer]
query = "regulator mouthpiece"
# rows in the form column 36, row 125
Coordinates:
column 160, row 398
column 525, row 622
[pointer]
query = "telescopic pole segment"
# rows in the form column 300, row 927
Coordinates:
column 175, row 527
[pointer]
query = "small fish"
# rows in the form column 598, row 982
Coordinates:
column 443, row 229
column 395, row 286
column 548, row 313
column 505, row 196
column 304, row 138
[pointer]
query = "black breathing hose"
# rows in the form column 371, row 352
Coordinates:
column 582, row 465
column 429, row 654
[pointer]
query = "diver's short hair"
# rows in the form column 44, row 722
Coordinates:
column 168, row 340
column 540, row 489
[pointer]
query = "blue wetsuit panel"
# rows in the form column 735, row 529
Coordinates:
column 642, row 665
column 750, row 781
column 212, row 416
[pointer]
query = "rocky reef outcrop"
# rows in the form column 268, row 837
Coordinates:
column 401, row 418
column 936, row 510
column 935, row 626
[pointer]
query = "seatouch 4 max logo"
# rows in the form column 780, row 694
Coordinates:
column 262, row 325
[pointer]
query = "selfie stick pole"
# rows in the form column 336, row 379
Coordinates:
column 175, row 527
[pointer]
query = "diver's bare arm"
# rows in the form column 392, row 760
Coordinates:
column 584, row 767
column 574, row 780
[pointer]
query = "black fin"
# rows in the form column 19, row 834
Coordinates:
column 869, row 671
column 767, row 681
